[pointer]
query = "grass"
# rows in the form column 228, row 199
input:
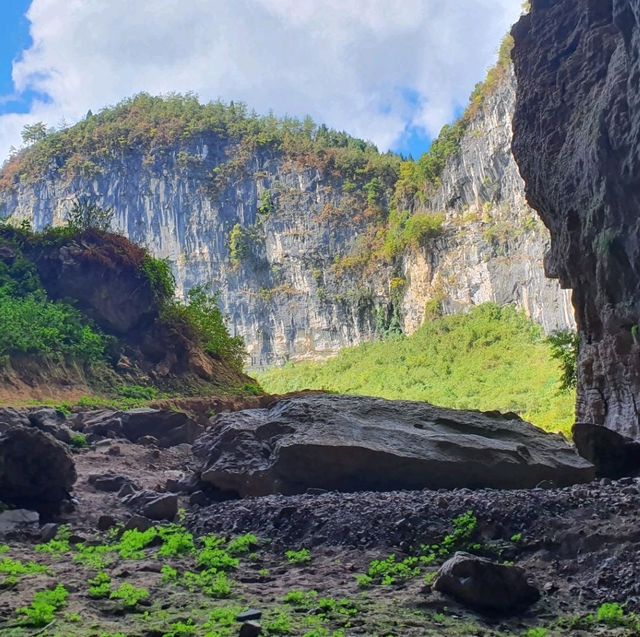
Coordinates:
column 491, row 358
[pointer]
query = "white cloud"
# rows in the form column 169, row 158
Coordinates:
column 347, row 63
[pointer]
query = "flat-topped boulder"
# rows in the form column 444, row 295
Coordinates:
column 344, row 443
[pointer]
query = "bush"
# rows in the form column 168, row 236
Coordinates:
column 34, row 325
column 160, row 276
column 85, row 215
column 202, row 316
column 564, row 348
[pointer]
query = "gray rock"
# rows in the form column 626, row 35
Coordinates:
column 354, row 444
column 485, row 585
column 126, row 490
column 613, row 454
column 48, row 531
column 53, row 422
column 36, row 470
column 249, row 615
column 250, row 629
column 106, row 522
column 16, row 519
column 100, row 424
column 154, row 505
column 109, row 482
column 12, row 417
column 169, row 428
column 139, row 523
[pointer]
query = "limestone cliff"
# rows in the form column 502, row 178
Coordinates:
column 287, row 241
column 577, row 141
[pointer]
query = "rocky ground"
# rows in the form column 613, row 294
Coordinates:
column 313, row 564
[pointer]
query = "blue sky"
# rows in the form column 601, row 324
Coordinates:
column 391, row 71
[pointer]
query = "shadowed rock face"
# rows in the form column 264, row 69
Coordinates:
column 577, row 142
column 351, row 444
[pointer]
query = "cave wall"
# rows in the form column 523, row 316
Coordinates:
column 577, row 143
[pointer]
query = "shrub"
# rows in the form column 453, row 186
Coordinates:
column 564, row 348
column 202, row 316
column 85, row 215
column 238, row 245
column 160, row 276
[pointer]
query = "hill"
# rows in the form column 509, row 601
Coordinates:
column 491, row 358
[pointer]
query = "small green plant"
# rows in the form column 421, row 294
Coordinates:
column 537, row 632
column 100, row 586
column 169, row 574
column 216, row 559
column 212, row 583
column 44, row 606
column 516, row 538
column 130, row 596
column 160, row 276
column 265, row 203
column 364, row 581
column 278, row 623
column 59, row 544
column 300, row 598
column 303, row 556
column 175, row 541
column 243, row 544
column 79, row 441
column 14, row 568
column 133, row 542
column 611, row 613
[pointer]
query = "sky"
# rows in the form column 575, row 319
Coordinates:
column 389, row 71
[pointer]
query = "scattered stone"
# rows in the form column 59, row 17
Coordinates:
column 139, row 523
column 106, row 522
column 53, row 422
column 250, row 629
column 100, row 424
column 345, row 443
column 126, row 490
column 109, row 482
column 169, row 428
column 147, row 441
column 15, row 519
column 10, row 418
column 154, row 505
column 198, row 498
column 36, row 470
column 114, row 451
column 485, row 585
column 249, row 615
column 48, row 531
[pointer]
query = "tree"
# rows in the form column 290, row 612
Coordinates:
column 85, row 214
column 32, row 133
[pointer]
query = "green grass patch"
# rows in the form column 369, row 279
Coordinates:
column 491, row 358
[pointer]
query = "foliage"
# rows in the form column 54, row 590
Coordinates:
column 130, row 596
column 303, row 556
column 85, row 215
column 564, row 348
column 32, row 133
column 243, row 544
column 59, row 544
column 266, row 204
column 202, row 316
column 79, row 441
column 611, row 614
column 175, row 541
column 491, row 358
column 238, row 245
column 160, row 276
column 100, row 586
column 44, row 606
column 405, row 230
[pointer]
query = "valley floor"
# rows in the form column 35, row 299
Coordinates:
column 300, row 560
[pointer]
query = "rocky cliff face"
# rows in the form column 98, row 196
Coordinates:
column 289, row 276
column 577, row 141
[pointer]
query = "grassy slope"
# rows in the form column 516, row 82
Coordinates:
column 492, row 358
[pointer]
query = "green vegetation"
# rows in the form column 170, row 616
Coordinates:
column 44, row 606
column 564, row 348
column 130, row 596
column 86, row 214
column 491, row 358
column 203, row 319
column 390, row 570
column 303, row 556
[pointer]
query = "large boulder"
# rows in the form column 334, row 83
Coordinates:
column 612, row 454
column 485, row 585
column 36, row 470
column 352, row 444
column 170, row 428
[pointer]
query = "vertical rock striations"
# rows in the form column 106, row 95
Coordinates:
column 291, row 246
column 577, row 142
